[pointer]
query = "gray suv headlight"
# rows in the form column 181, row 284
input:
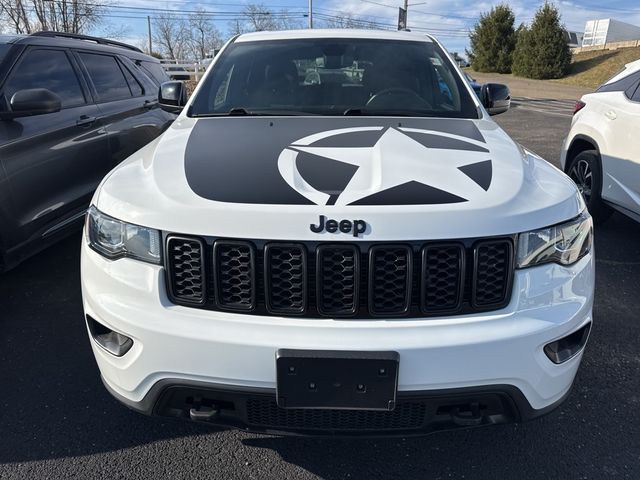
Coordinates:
column 564, row 244
column 115, row 239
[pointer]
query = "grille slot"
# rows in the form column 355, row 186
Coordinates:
column 185, row 262
column 234, row 275
column 442, row 278
column 390, row 279
column 493, row 271
column 337, row 272
column 265, row 413
column 285, row 273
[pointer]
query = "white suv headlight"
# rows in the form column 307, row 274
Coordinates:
column 564, row 244
column 115, row 239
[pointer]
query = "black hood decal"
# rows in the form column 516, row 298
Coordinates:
column 240, row 160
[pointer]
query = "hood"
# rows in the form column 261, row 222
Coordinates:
column 274, row 177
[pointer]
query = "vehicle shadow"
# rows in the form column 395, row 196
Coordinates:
column 498, row 452
column 619, row 236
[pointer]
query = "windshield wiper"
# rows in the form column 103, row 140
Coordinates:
column 241, row 111
column 388, row 113
column 238, row 111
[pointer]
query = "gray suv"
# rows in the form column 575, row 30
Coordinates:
column 71, row 108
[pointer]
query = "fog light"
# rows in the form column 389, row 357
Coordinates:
column 113, row 342
column 568, row 347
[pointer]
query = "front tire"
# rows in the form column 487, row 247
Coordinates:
column 585, row 170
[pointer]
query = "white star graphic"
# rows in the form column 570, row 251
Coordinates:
column 396, row 159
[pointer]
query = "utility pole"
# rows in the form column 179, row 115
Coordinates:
column 310, row 13
column 406, row 13
column 149, row 27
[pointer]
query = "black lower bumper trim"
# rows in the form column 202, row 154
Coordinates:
column 416, row 413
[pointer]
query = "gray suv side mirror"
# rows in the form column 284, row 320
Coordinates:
column 172, row 96
column 32, row 101
column 496, row 98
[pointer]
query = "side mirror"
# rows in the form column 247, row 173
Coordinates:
column 496, row 98
column 32, row 101
column 172, row 96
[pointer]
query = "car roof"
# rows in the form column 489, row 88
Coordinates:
column 335, row 33
column 84, row 42
column 9, row 38
column 633, row 66
column 629, row 69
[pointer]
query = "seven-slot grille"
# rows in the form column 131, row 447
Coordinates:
column 361, row 280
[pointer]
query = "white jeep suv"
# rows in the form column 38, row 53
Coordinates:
column 601, row 152
column 335, row 238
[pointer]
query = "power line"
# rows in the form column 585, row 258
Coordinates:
column 143, row 13
column 422, row 12
column 178, row 16
column 388, row 26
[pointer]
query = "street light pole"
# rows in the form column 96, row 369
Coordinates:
column 310, row 13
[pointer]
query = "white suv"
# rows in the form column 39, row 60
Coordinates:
column 335, row 238
column 601, row 152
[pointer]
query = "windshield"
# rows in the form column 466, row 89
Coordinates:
column 334, row 77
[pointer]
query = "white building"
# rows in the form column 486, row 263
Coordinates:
column 600, row 32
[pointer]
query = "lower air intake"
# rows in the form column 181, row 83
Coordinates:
column 266, row 414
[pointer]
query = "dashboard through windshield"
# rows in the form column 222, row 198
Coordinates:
column 334, row 77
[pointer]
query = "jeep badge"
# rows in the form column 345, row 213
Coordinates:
column 358, row 227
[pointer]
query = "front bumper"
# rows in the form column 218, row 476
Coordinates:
column 256, row 410
column 497, row 353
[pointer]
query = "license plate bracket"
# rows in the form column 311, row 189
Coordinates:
column 328, row 379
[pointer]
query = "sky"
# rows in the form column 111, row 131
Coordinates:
column 448, row 20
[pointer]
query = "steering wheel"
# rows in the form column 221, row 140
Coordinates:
column 387, row 95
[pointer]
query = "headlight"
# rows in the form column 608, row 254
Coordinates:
column 564, row 244
column 115, row 239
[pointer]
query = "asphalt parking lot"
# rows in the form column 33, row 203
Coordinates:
column 57, row 421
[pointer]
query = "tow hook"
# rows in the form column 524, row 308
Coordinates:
column 203, row 413
column 467, row 418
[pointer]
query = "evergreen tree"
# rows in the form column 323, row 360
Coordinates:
column 542, row 51
column 521, row 64
column 493, row 41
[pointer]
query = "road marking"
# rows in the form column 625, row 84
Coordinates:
column 548, row 106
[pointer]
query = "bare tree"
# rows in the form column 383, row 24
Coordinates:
column 204, row 37
column 15, row 12
column 171, row 35
column 289, row 21
column 72, row 16
column 347, row 20
column 256, row 17
column 4, row 25
column 236, row 27
column 115, row 32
